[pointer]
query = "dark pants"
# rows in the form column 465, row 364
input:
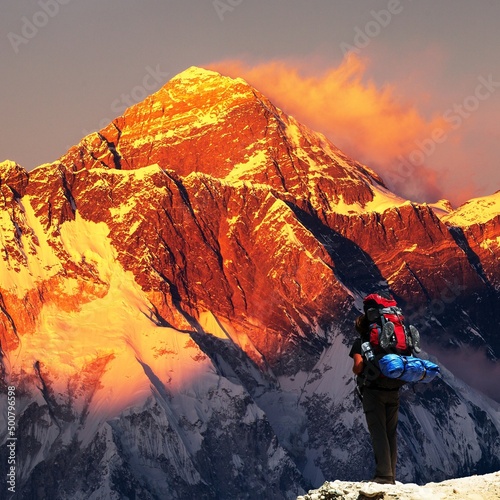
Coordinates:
column 381, row 410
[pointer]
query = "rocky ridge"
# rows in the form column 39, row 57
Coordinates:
column 475, row 488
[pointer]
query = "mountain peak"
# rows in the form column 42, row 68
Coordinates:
column 195, row 81
column 13, row 175
column 475, row 211
column 196, row 72
column 202, row 121
column 7, row 166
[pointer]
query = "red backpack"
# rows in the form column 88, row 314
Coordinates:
column 387, row 333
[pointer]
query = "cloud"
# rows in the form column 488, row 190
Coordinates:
column 370, row 123
column 473, row 367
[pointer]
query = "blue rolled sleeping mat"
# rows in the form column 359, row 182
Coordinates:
column 408, row 368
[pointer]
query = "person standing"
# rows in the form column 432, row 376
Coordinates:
column 380, row 400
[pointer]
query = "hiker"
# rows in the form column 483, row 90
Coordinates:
column 384, row 361
column 380, row 399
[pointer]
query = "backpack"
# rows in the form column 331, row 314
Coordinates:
column 389, row 344
column 388, row 333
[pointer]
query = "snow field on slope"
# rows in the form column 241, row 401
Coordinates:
column 143, row 359
column 475, row 211
column 39, row 266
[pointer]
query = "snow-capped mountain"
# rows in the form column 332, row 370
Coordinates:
column 177, row 295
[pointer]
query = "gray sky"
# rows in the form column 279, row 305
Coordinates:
column 71, row 66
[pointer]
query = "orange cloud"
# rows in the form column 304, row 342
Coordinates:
column 369, row 123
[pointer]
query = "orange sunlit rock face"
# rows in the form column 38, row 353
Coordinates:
column 203, row 193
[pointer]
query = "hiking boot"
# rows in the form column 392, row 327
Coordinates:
column 415, row 339
column 386, row 335
column 383, row 480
